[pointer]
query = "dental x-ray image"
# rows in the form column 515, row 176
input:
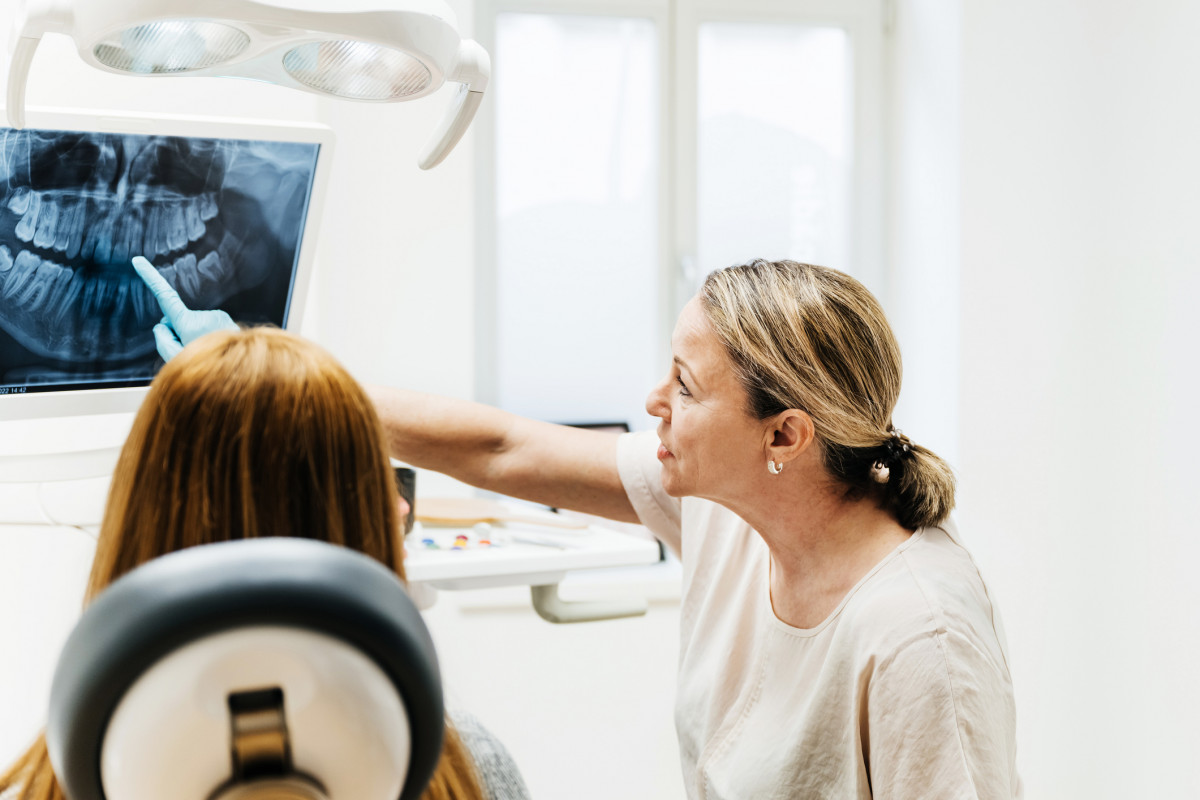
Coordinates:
column 221, row 219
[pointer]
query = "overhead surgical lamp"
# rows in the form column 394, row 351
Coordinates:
column 266, row 668
column 356, row 52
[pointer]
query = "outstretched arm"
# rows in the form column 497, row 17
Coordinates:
column 555, row 465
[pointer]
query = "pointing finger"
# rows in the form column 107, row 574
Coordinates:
column 168, row 299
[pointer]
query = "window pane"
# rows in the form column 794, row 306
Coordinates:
column 577, row 215
column 775, row 145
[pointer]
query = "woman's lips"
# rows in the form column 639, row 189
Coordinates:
column 663, row 452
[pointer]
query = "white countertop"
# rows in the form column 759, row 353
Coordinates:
column 513, row 560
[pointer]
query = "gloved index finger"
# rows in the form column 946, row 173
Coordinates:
column 168, row 299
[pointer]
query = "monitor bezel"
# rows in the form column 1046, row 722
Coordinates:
column 87, row 402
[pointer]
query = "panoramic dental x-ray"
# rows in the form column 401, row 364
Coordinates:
column 221, row 219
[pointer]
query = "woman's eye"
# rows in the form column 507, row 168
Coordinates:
column 683, row 390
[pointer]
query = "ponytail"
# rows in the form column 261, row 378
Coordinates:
column 920, row 490
column 911, row 481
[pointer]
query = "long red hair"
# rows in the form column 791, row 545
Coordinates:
column 247, row 434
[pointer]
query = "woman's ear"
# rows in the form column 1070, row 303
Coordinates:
column 790, row 433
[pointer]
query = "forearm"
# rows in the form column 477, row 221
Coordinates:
column 455, row 437
column 483, row 446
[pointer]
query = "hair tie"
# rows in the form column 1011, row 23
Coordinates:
column 896, row 447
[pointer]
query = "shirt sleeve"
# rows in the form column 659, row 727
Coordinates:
column 938, row 725
column 497, row 771
column 641, row 475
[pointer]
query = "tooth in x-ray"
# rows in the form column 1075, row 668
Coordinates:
column 216, row 217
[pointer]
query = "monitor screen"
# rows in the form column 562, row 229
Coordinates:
column 220, row 209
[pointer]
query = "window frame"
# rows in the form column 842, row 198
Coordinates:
column 678, row 23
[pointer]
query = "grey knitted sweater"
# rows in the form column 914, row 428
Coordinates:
column 497, row 771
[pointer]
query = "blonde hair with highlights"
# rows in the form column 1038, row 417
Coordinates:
column 812, row 338
column 247, row 434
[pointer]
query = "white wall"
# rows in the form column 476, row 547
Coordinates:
column 395, row 264
column 1079, row 178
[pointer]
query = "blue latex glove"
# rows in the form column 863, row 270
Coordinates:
column 180, row 325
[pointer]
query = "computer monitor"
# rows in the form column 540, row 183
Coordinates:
column 225, row 209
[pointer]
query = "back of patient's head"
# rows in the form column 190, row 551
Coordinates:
column 247, row 434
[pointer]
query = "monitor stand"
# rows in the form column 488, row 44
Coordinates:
column 61, row 448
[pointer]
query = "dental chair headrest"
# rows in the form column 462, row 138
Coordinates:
column 269, row 667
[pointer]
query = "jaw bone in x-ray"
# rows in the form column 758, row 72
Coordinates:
column 220, row 219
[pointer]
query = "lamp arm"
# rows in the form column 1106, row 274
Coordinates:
column 35, row 18
column 472, row 68
column 18, row 75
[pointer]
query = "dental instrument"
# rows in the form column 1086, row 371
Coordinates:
column 541, row 542
column 358, row 52
column 486, row 535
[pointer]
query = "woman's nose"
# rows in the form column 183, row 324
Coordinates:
column 656, row 402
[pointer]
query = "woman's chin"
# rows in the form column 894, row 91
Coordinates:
column 671, row 484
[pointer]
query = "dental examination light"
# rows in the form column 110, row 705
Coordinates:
column 356, row 52
column 266, row 668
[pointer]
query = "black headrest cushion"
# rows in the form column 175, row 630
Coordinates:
column 173, row 600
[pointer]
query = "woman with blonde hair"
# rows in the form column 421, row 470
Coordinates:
column 250, row 434
column 837, row 639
